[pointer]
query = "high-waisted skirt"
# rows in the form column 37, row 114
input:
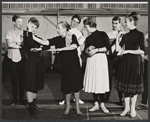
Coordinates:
column 130, row 74
column 96, row 78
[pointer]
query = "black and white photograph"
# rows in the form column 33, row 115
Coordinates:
column 74, row 60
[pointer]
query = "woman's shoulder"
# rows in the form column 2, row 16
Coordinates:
column 89, row 37
column 101, row 32
column 136, row 31
column 141, row 33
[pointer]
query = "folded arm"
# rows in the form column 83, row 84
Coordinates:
column 94, row 50
column 12, row 45
column 136, row 52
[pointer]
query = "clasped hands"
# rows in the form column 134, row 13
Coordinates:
column 91, row 50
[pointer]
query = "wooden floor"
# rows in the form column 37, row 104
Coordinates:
column 49, row 97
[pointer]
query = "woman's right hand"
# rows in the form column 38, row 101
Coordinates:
column 29, row 26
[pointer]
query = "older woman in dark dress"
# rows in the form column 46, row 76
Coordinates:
column 71, row 74
column 130, row 71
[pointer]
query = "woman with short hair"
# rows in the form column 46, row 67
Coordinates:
column 71, row 74
column 96, row 78
column 33, row 71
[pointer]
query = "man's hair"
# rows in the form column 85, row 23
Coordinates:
column 76, row 16
column 15, row 17
column 34, row 21
column 116, row 18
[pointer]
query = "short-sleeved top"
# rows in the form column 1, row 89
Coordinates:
column 29, row 43
column 133, row 40
column 98, row 39
column 60, row 42
column 14, row 54
column 79, row 35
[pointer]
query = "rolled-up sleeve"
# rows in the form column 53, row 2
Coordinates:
column 8, row 35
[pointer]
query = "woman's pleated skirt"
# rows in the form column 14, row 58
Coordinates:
column 96, row 78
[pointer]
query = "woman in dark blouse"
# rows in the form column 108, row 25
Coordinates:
column 71, row 74
column 96, row 79
column 33, row 69
column 130, row 76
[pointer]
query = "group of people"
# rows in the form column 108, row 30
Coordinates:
column 118, row 51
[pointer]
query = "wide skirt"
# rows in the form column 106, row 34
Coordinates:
column 96, row 78
column 130, row 74
column 33, row 74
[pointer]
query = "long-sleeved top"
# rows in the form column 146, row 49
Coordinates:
column 133, row 40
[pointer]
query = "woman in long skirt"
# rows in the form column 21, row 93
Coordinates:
column 96, row 79
column 130, row 71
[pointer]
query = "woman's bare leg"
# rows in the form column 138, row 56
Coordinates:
column 67, row 96
column 77, row 94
